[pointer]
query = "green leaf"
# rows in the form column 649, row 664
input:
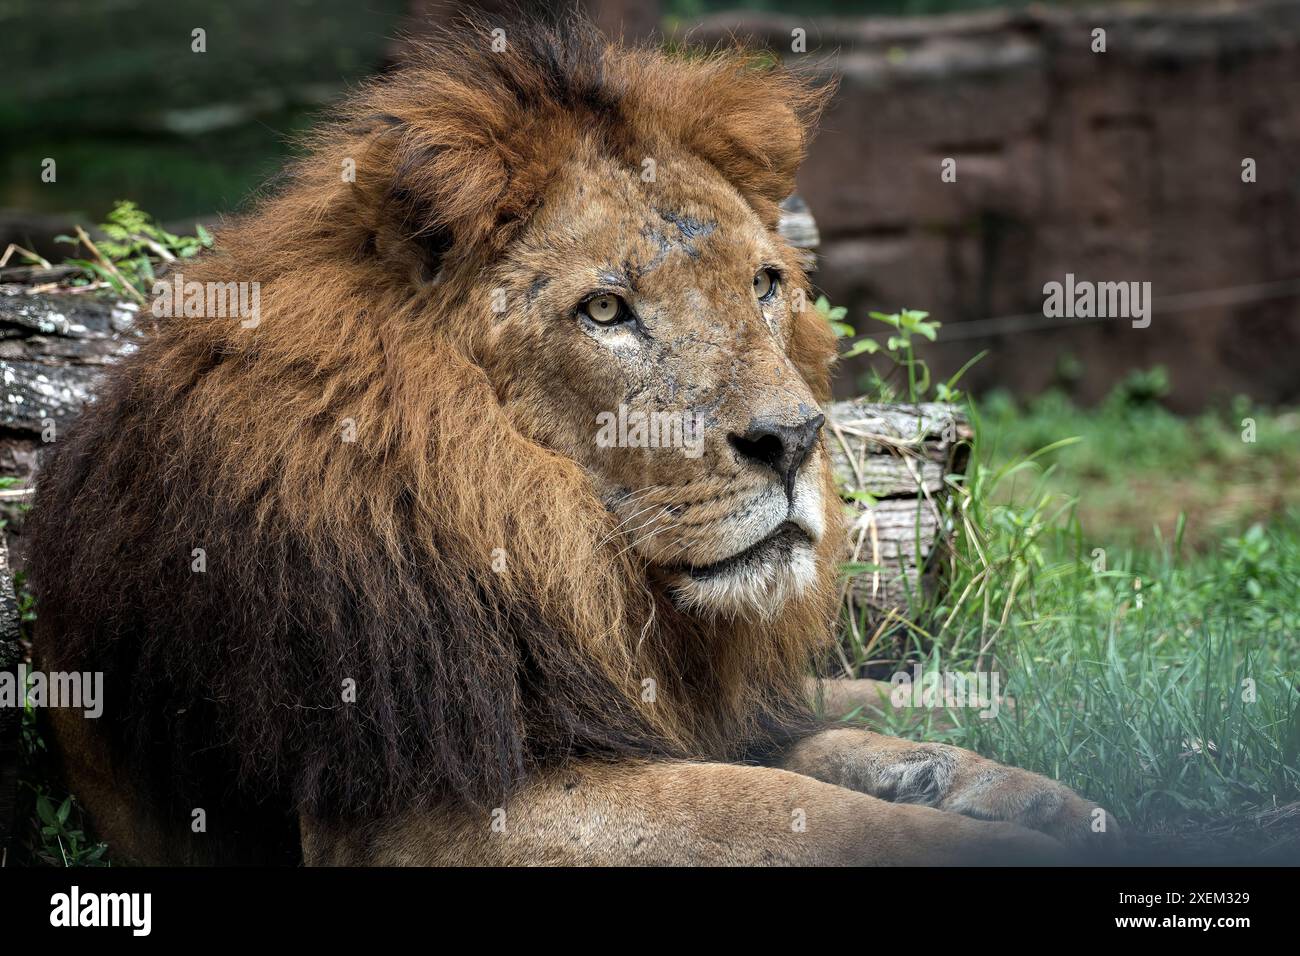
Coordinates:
column 94, row 853
column 45, row 810
column 862, row 347
column 929, row 329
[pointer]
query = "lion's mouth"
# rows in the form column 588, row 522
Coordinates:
column 780, row 544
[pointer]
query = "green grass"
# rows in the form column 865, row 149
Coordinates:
column 1152, row 661
column 1138, row 466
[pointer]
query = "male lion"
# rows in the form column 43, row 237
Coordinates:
column 365, row 586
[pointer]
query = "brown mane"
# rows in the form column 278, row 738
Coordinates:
column 372, row 560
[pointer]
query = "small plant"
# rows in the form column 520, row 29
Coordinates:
column 1141, row 388
column 62, row 842
column 900, row 349
column 132, row 244
column 1251, row 564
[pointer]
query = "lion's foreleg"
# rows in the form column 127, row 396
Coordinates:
column 949, row 778
column 676, row 814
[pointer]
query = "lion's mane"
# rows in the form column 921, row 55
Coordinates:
column 372, row 560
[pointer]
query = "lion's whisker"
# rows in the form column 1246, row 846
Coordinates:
column 645, row 524
column 621, row 525
column 640, row 542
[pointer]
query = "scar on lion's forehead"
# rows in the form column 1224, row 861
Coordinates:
column 689, row 226
column 682, row 234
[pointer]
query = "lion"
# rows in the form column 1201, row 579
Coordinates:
column 366, row 583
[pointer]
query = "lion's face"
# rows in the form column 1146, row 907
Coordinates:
column 645, row 330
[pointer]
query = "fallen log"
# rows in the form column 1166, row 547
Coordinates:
column 892, row 464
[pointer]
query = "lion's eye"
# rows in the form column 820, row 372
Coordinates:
column 765, row 283
column 604, row 309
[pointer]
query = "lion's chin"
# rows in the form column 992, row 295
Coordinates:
column 757, row 585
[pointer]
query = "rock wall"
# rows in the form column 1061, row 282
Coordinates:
column 1117, row 166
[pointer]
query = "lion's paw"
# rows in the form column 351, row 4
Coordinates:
column 1035, row 802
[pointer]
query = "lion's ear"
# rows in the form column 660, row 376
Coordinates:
column 440, row 181
column 750, row 120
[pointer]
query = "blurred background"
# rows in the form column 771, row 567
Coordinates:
column 1125, row 165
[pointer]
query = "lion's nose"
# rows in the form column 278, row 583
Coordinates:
column 783, row 448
